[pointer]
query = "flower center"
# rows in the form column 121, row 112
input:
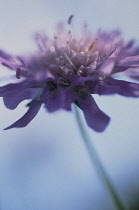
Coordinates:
column 50, row 85
column 81, row 90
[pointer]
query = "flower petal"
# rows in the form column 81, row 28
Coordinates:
column 113, row 86
column 5, row 55
column 130, row 59
column 59, row 98
column 9, row 64
column 13, row 94
column 80, row 80
column 8, row 60
column 28, row 116
column 133, row 73
column 124, row 67
column 107, row 67
column 95, row 118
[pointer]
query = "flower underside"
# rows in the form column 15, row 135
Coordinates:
column 69, row 69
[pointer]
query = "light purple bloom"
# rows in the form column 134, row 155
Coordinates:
column 70, row 69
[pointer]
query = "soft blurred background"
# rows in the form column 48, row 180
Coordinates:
column 46, row 165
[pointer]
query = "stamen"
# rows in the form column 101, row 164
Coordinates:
column 89, row 49
column 70, row 19
column 91, row 46
column 85, row 25
column 85, row 30
column 22, row 61
column 55, row 44
column 112, row 51
column 64, row 82
column 41, row 41
column 67, row 57
column 55, row 37
column 69, row 36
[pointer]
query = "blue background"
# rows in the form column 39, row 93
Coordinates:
column 45, row 165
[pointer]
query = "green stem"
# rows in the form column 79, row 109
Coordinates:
column 96, row 161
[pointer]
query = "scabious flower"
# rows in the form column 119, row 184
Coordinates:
column 70, row 69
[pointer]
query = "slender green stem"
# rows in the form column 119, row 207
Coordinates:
column 96, row 161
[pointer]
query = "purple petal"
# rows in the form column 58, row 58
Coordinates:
column 113, row 86
column 59, row 98
column 80, row 80
column 127, row 63
column 13, row 94
column 9, row 64
column 95, row 118
column 124, row 67
column 107, row 67
column 130, row 59
column 5, row 55
column 133, row 73
column 8, row 60
column 28, row 116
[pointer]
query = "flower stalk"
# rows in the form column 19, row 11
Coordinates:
column 97, row 162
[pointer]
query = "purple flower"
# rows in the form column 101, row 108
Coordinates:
column 70, row 69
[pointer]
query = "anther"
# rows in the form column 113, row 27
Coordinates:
column 64, row 82
column 50, row 85
column 70, row 19
column 18, row 73
column 91, row 46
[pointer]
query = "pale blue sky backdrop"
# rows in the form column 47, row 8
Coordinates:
column 45, row 165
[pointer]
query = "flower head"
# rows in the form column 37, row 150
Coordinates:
column 69, row 69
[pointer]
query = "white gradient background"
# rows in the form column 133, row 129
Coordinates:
column 45, row 165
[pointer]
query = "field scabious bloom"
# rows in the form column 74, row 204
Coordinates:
column 70, row 69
